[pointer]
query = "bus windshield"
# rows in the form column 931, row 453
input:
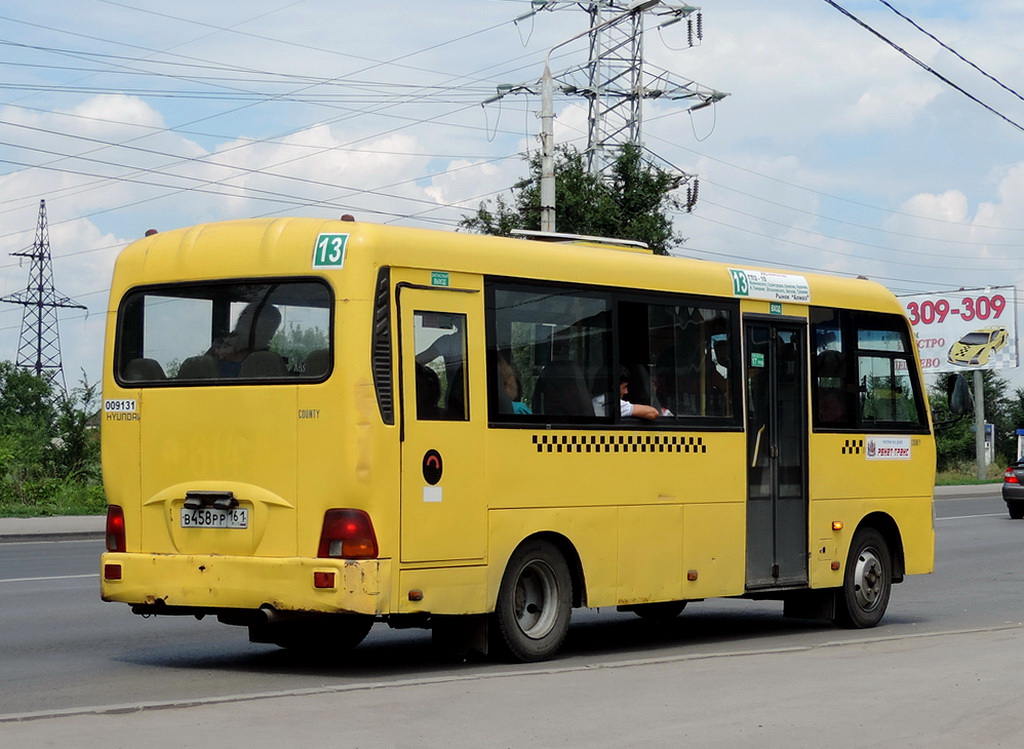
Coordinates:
column 223, row 333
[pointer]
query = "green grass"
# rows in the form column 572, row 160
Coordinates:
column 967, row 473
column 52, row 498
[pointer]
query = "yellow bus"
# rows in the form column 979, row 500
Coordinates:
column 313, row 425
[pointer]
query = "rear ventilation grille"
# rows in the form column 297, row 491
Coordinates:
column 383, row 381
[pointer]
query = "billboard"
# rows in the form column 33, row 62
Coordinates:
column 966, row 329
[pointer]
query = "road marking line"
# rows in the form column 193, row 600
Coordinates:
column 44, row 579
column 968, row 517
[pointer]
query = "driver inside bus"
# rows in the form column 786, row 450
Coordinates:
column 255, row 326
column 626, row 408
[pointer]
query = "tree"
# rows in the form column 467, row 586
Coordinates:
column 49, row 452
column 26, row 419
column 955, row 442
column 631, row 204
column 296, row 342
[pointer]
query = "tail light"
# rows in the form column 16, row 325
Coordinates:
column 347, row 534
column 115, row 528
column 1010, row 477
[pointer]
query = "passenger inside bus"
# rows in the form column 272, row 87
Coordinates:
column 626, row 408
column 256, row 325
column 510, row 391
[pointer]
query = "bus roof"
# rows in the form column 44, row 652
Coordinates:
column 285, row 246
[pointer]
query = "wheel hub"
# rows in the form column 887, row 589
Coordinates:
column 535, row 607
column 868, row 582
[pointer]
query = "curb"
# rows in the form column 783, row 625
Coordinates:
column 61, row 528
column 14, row 538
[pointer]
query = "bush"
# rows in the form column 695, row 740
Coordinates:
column 49, row 453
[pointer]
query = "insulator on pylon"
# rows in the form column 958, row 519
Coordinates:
column 700, row 26
column 689, row 31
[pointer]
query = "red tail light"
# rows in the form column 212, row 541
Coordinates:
column 347, row 534
column 1010, row 477
column 115, row 528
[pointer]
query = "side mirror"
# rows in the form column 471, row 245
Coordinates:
column 958, row 395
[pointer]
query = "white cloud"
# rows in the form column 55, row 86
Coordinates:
column 833, row 152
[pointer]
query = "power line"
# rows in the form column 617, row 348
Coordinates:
column 923, row 65
column 946, row 47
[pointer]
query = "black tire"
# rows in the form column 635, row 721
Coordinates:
column 534, row 605
column 1016, row 510
column 867, row 582
column 329, row 634
column 662, row 611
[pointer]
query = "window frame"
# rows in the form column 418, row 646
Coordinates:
column 850, row 324
column 614, row 299
column 120, row 354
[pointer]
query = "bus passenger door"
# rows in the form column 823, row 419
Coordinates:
column 776, row 454
column 442, row 343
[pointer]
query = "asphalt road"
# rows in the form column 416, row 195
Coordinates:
column 946, row 665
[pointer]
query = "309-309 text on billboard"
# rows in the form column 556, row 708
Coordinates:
column 968, row 308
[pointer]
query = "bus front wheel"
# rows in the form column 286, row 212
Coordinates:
column 867, row 582
column 534, row 603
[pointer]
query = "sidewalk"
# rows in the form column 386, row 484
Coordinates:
column 67, row 528
column 89, row 527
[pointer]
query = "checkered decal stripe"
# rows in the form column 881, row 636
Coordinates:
column 853, row 447
column 554, row 443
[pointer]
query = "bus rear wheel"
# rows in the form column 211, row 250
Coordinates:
column 867, row 583
column 534, row 605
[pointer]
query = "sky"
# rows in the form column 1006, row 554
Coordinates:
column 832, row 152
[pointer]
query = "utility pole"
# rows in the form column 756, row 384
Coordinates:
column 39, row 347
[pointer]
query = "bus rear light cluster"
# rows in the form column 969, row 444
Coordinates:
column 347, row 534
column 115, row 529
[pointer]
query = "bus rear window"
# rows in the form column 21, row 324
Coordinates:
column 274, row 331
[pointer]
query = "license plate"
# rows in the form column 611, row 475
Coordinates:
column 209, row 517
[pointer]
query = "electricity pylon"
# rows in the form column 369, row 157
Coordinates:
column 39, row 347
column 615, row 81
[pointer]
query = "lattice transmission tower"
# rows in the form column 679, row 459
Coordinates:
column 616, row 79
column 39, row 346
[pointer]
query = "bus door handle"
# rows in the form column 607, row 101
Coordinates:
column 757, row 446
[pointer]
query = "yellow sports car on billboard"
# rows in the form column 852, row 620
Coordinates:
column 975, row 348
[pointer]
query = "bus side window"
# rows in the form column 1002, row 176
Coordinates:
column 561, row 390
column 692, row 349
column 862, row 371
column 830, row 387
column 440, row 341
column 545, row 346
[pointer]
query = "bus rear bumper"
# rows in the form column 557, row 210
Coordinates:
column 197, row 583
